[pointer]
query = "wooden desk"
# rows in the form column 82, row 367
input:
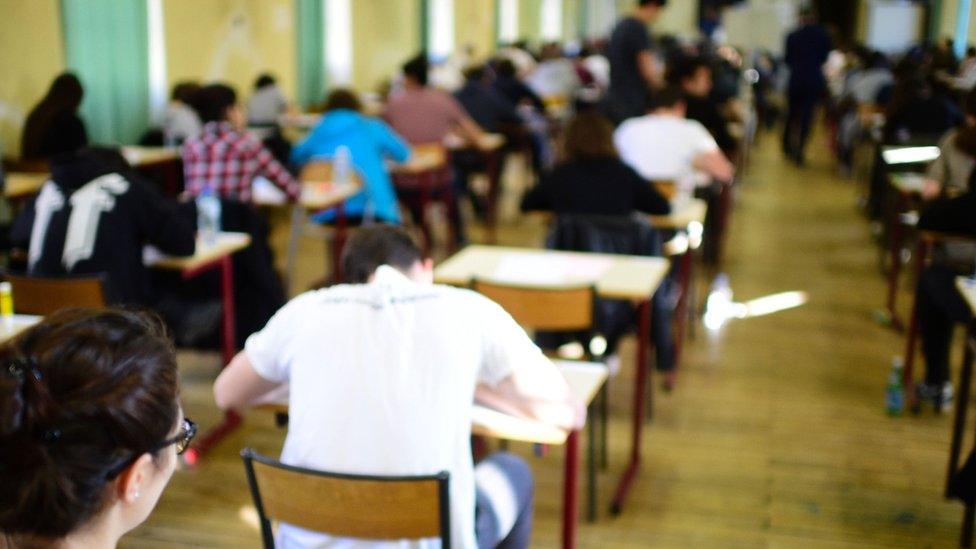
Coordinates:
column 967, row 288
column 16, row 324
column 161, row 165
column 585, row 380
column 614, row 277
column 908, row 189
column 208, row 257
column 140, row 157
column 423, row 157
column 692, row 211
column 20, row 185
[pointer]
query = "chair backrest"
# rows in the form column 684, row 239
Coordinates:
column 557, row 309
column 43, row 296
column 353, row 506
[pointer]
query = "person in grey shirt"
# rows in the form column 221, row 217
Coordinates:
column 267, row 102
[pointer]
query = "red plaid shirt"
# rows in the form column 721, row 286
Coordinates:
column 228, row 160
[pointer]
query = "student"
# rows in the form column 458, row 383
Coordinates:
column 591, row 179
column 807, row 49
column 633, row 69
column 181, row 122
column 267, row 102
column 664, row 145
column 422, row 114
column 694, row 77
column 492, row 111
column 512, row 88
column 369, row 142
column 383, row 373
column 555, row 76
column 90, row 428
column 224, row 157
column 53, row 126
column 950, row 174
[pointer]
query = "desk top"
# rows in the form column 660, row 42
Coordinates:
column 423, row 157
column 22, row 184
column 909, row 154
column 615, row 276
column 488, row 142
column 690, row 212
column 143, row 156
column 967, row 287
column 227, row 244
column 908, row 182
column 320, row 197
column 16, row 324
column 585, row 380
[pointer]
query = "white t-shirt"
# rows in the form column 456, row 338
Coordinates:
column 662, row 147
column 382, row 382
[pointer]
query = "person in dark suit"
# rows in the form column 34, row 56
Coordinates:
column 807, row 48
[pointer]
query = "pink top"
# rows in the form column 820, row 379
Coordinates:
column 423, row 115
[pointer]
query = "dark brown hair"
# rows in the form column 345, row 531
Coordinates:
column 343, row 99
column 82, row 394
column 588, row 135
column 376, row 245
column 212, row 101
column 64, row 96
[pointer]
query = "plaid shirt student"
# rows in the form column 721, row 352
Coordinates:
column 229, row 160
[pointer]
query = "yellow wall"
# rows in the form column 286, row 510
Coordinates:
column 385, row 34
column 529, row 20
column 474, row 24
column 230, row 41
column 31, row 55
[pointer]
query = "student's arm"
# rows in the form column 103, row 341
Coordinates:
column 263, row 365
column 649, row 68
column 304, row 150
column 517, row 378
column 709, row 158
column 275, row 172
column 160, row 224
column 468, row 128
column 647, row 199
column 390, row 143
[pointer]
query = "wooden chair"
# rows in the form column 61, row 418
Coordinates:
column 354, row 506
column 557, row 309
column 43, row 296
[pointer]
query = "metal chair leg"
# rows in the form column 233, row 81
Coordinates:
column 591, row 469
column 604, row 414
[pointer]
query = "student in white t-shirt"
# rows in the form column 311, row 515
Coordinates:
column 664, row 145
column 383, row 373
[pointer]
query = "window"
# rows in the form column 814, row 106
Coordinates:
column 507, row 21
column 551, row 20
column 338, row 42
column 440, row 38
column 157, row 60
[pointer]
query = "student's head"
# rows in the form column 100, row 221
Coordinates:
column 505, row 68
column 90, row 423
column 970, row 51
column 694, row 76
column 65, row 92
column 649, row 10
column 808, row 14
column 343, row 98
column 669, row 100
column 184, row 92
column 218, row 103
column 263, row 81
column 415, row 70
column 475, row 74
column 380, row 244
column 589, row 135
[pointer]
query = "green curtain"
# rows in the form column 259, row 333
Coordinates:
column 310, row 16
column 107, row 45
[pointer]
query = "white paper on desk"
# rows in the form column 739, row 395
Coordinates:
column 264, row 192
column 547, row 269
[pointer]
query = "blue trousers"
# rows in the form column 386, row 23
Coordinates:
column 503, row 504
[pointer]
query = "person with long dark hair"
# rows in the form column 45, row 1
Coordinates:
column 53, row 126
column 90, row 427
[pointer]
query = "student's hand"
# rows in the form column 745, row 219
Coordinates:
column 931, row 189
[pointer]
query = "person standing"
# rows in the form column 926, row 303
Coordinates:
column 807, row 49
column 633, row 68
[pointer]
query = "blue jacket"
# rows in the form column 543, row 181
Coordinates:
column 369, row 141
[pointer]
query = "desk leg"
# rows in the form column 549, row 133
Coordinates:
column 908, row 375
column 680, row 314
column 571, row 491
column 294, row 234
column 896, row 233
column 966, row 540
column 494, row 189
column 962, row 406
column 640, row 386
column 340, row 243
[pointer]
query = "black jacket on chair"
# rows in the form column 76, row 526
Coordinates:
column 625, row 235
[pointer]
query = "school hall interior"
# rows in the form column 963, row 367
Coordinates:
column 739, row 236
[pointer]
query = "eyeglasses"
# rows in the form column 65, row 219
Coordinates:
column 183, row 438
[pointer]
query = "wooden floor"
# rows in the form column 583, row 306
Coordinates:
column 775, row 436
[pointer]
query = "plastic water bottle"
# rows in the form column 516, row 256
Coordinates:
column 208, row 216
column 342, row 164
column 895, row 394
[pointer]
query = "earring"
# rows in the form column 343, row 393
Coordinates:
column 135, row 496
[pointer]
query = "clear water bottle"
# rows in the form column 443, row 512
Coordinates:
column 894, row 393
column 342, row 163
column 208, row 216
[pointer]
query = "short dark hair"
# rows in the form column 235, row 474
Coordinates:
column 686, row 68
column 417, row 68
column 660, row 3
column 505, row 68
column 375, row 245
column 81, row 394
column 664, row 99
column 475, row 73
column 343, row 98
column 589, row 135
column 184, row 92
column 263, row 81
column 212, row 102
